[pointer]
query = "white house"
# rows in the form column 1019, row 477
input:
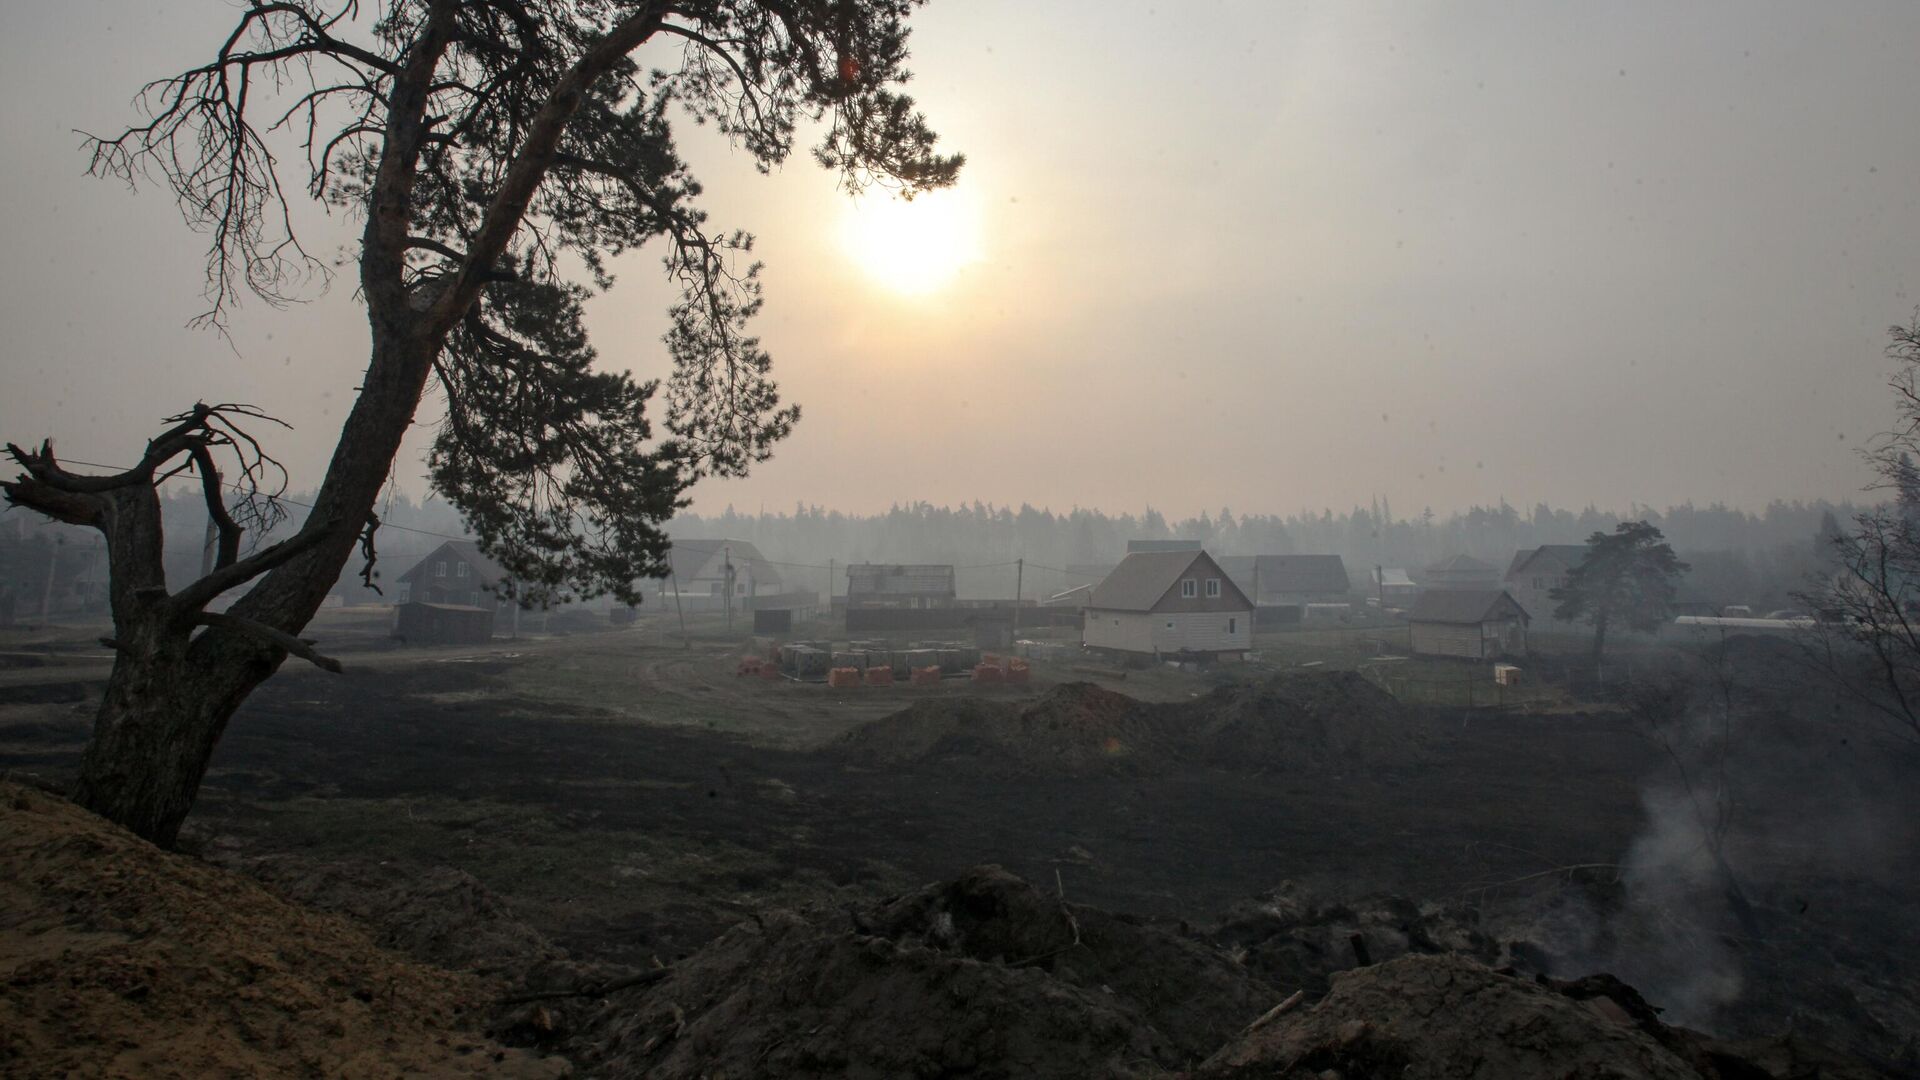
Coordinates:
column 1168, row 603
column 1536, row 573
column 705, row 569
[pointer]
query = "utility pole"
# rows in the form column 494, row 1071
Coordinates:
column 829, row 587
column 1019, row 586
column 1380, row 584
column 728, row 554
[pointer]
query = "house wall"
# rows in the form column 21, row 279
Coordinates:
column 1446, row 639
column 1224, row 630
column 1477, row 641
column 1125, row 631
column 1532, row 586
column 420, row 624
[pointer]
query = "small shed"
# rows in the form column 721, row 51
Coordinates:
column 421, row 623
column 1169, row 603
column 1478, row 624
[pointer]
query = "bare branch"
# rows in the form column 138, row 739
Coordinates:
column 294, row 646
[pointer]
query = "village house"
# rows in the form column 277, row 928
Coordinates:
column 1534, row 575
column 449, row 597
column 1461, row 572
column 1477, row 624
column 1391, row 586
column 1169, row 603
column 900, row 585
column 1284, row 586
column 705, row 573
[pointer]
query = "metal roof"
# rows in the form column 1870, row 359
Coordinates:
column 1281, row 575
column 703, row 560
column 1463, row 564
column 1462, row 607
column 1143, row 577
column 1570, row 555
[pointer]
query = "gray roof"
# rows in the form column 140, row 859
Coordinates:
column 1288, row 574
column 1463, row 607
column 1143, row 577
column 1570, row 555
column 485, row 571
column 900, row 579
column 1463, row 564
column 697, row 560
column 1162, row 545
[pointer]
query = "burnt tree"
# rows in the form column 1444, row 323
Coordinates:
column 488, row 146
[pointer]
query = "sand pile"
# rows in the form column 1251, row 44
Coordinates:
column 119, row 959
column 984, row 976
column 1325, row 721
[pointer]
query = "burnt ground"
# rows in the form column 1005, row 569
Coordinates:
column 631, row 800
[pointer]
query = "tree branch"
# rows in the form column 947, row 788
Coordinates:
column 202, row 592
column 292, row 645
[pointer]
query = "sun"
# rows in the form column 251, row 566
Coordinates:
column 913, row 248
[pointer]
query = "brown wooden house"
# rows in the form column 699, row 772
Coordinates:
column 449, row 597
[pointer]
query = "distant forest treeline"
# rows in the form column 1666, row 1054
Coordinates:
column 1737, row 556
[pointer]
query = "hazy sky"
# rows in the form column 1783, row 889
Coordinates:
column 1259, row 255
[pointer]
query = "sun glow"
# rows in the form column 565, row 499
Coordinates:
column 913, row 248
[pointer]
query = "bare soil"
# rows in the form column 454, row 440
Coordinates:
column 569, row 809
column 120, row 960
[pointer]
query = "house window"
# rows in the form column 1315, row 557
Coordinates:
column 1189, row 588
column 440, row 569
column 1169, row 624
column 459, row 569
column 1213, row 587
column 406, row 591
column 1233, row 626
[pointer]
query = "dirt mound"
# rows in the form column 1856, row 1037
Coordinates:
column 1322, row 721
column 1075, row 729
column 1434, row 1017
column 120, row 959
column 441, row 915
column 1296, row 940
column 983, row 976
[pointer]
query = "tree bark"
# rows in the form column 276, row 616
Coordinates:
column 166, row 706
column 173, row 691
